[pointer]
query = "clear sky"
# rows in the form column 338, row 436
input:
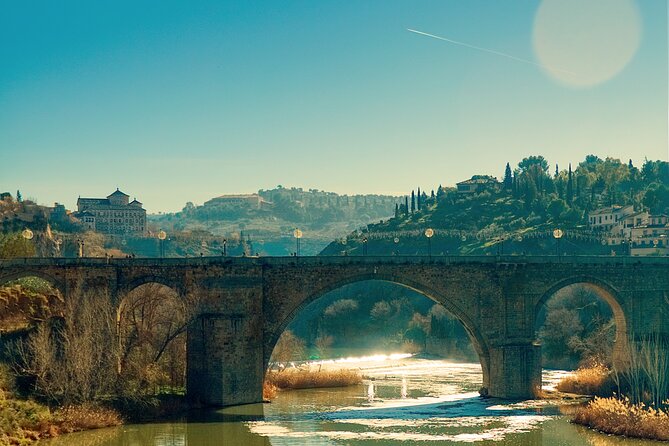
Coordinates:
column 183, row 101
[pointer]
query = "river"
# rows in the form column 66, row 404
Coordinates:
column 402, row 401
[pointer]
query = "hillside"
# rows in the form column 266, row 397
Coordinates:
column 269, row 224
column 517, row 215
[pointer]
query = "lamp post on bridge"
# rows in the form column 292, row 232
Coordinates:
column 27, row 235
column 429, row 233
column 297, row 233
column 162, row 235
column 364, row 246
column 557, row 234
column 225, row 247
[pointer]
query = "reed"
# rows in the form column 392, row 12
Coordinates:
column 311, row 379
column 586, row 381
column 622, row 417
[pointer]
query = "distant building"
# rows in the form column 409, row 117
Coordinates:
column 651, row 238
column 58, row 213
column 604, row 219
column 243, row 200
column 112, row 215
column 478, row 183
column 640, row 233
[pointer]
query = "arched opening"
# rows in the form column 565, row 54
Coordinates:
column 66, row 353
column 581, row 325
column 368, row 320
column 152, row 320
column 26, row 301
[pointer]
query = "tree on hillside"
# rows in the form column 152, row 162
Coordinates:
column 530, row 194
column 508, row 178
column 535, row 169
column 413, row 202
column 397, row 210
column 531, row 162
column 14, row 245
column 418, row 199
column 440, row 192
column 19, row 198
column 657, row 198
column 406, row 205
column 570, row 187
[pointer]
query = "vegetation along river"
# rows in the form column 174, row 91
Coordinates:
column 402, row 401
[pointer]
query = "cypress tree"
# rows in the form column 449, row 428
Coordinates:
column 406, row 205
column 557, row 170
column 570, row 187
column 397, row 210
column 432, row 195
column 418, row 200
column 19, row 198
column 413, row 202
column 508, row 179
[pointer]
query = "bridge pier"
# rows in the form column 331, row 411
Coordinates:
column 223, row 368
column 515, row 371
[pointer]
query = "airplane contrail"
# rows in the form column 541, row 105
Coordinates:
column 497, row 53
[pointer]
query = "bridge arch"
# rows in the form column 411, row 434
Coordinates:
column 151, row 323
column 478, row 341
column 605, row 292
column 53, row 281
column 123, row 291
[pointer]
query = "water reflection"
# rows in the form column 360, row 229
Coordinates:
column 370, row 391
column 411, row 402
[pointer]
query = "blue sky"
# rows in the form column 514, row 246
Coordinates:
column 182, row 101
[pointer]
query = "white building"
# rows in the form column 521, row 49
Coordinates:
column 112, row 215
column 604, row 219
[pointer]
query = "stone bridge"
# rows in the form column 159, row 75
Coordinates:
column 246, row 303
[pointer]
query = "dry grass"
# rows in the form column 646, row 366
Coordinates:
column 620, row 417
column 268, row 391
column 311, row 379
column 23, row 422
column 586, row 381
column 85, row 417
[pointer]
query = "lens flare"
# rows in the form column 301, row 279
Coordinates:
column 592, row 41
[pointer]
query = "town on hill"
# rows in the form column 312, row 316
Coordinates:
column 598, row 206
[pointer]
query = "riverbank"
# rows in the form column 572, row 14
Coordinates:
column 611, row 414
column 620, row 417
column 24, row 422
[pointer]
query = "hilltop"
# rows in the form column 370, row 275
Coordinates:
column 516, row 215
column 265, row 221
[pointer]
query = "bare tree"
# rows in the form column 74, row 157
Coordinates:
column 74, row 361
column 153, row 320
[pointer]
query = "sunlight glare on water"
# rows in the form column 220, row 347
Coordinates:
column 402, row 401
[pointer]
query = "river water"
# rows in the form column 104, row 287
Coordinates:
column 402, row 401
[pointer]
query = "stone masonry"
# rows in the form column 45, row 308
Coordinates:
column 244, row 304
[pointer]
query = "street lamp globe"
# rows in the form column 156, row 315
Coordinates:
column 429, row 232
column 558, row 233
column 297, row 233
column 27, row 234
column 162, row 235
